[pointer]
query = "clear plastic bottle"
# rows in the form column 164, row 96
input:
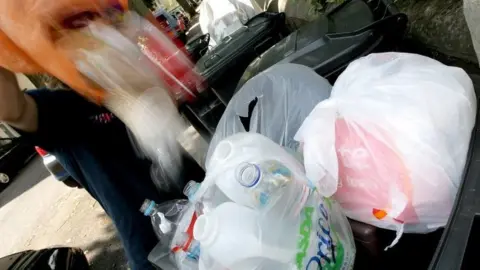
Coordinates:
column 190, row 189
column 171, row 222
column 211, row 198
column 164, row 227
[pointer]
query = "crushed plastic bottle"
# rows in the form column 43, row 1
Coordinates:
column 190, row 189
column 161, row 225
column 173, row 223
column 210, row 199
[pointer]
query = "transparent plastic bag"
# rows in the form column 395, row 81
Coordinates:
column 115, row 58
column 299, row 231
column 285, row 94
column 221, row 18
column 173, row 223
column 325, row 238
column 391, row 143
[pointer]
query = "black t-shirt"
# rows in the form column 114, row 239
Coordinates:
column 94, row 147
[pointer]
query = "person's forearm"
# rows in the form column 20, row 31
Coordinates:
column 16, row 108
column 11, row 99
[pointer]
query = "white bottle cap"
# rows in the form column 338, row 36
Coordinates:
column 190, row 189
column 223, row 151
column 205, row 229
column 165, row 225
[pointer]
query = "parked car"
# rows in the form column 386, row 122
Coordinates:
column 15, row 153
column 56, row 169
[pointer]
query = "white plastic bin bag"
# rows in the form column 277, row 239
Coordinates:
column 391, row 142
column 285, row 93
column 221, row 18
column 275, row 221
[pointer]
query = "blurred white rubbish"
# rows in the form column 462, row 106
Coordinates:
column 114, row 57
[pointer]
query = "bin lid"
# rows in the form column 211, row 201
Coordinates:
column 308, row 45
column 214, row 62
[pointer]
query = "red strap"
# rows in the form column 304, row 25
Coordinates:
column 189, row 231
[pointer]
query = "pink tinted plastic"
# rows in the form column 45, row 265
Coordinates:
column 368, row 168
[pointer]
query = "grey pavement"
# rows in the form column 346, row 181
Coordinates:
column 38, row 212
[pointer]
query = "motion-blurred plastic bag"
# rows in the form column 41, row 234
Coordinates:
column 274, row 103
column 119, row 59
column 391, row 142
column 262, row 214
column 29, row 31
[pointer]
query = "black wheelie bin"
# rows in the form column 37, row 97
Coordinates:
column 460, row 242
column 222, row 66
column 328, row 44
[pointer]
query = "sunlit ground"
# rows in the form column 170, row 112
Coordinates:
column 37, row 212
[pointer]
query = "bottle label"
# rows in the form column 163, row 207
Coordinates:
column 320, row 244
column 275, row 177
